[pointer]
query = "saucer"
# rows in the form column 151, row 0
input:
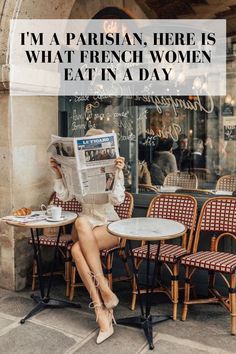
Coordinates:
column 49, row 218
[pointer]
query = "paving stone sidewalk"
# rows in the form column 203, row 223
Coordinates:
column 72, row 331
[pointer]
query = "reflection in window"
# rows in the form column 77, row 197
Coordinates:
column 158, row 140
column 188, row 140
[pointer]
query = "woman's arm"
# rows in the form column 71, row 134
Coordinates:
column 118, row 195
column 59, row 188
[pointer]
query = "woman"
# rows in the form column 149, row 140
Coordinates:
column 90, row 236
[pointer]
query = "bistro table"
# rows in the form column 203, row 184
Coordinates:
column 146, row 229
column 44, row 300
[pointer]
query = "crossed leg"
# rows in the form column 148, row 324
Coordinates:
column 86, row 253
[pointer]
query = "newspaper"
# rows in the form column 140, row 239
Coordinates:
column 24, row 219
column 87, row 164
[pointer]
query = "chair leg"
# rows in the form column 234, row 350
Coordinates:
column 186, row 294
column 175, row 291
column 67, row 272
column 211, row 281
column 134, row 294
column 72, row 283
column 125, row 263
column 109, row 262
column 34, row 275
column 232, row 299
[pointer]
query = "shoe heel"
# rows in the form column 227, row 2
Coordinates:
column 114, row 320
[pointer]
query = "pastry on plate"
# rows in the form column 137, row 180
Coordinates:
column 22, row 212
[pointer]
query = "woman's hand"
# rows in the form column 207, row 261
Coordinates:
column 120, row 163
column 55, row 167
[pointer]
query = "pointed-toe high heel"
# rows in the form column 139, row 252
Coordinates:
column 103, row 335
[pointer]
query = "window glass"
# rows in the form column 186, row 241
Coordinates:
column 192, row 140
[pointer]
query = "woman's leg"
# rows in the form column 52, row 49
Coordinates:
column 84, row 272
column 105, row 240
column 91, row 242
column 74, row 234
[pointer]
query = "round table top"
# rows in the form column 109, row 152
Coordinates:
column 68, row 218
column 149, row 229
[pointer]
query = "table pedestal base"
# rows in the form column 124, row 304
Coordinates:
column 44, row 303
column 145, row 323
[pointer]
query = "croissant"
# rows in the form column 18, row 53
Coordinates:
column 22, row 212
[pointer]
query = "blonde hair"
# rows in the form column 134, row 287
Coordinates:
column 94, row 131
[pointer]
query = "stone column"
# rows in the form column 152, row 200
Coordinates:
column 25, row 178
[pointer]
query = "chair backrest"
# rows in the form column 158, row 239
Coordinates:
column 226, row 183
column 147, row 188
column 125, row 209
column 177, row 207
column 218, row 214
column 181, row 179
column 202, row 174
column 70, row 205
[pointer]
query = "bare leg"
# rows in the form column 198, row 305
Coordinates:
column 84, row 272
column 105, row 240
column 91, row 242
column 74, row 234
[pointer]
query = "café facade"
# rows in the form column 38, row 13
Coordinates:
column 139, row 121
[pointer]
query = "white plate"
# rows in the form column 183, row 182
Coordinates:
column 22, row 216
column 53, row 220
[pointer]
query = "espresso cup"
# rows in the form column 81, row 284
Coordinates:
column 47, row 209
column 56, row 212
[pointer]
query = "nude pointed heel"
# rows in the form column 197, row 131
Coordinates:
column 103, row 335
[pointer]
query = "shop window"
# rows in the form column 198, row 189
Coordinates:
column 196, row 135
column 161, row 135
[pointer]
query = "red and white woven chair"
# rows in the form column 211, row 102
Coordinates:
column 226, row 183
column 178, row 207
column 49, row 238
column 124, row 211
column 218, row 217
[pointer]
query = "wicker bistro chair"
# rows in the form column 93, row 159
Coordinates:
column 49, row 238
column 124, row 211
column 218, row 217
column 178, row 207
column 226, row 183
column 186, row 180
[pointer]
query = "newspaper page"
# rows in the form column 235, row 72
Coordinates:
column 96, row 162
column 62, row 150
column 87, row 164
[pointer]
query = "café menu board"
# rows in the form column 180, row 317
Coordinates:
column 229, row 128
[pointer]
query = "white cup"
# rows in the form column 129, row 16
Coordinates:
column 47, row 209
column 56, row 212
